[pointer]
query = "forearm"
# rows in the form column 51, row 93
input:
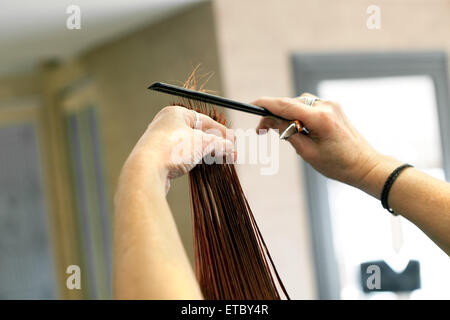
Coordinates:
column 418, row 197
column 149, row 258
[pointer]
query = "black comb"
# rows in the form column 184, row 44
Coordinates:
column 211, row 99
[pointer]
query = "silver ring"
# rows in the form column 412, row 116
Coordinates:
column 309, row 101
column 197, row 122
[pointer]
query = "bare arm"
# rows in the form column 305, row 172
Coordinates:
column 337, row 150
column 420, row 198
column 149, row 259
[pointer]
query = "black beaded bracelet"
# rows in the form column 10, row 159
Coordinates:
column 388, row 184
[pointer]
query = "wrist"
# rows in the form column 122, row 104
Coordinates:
column 378, row 171
column 144, row 170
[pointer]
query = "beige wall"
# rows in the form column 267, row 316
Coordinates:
column 256, row 38
column 122, row 70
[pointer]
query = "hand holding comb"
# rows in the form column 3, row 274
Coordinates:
column 294, row 126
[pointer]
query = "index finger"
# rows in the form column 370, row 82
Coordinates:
column 287, row 108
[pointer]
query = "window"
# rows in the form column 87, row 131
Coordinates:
column 404, row 114
column 26, row 257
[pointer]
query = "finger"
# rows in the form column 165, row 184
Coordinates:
column 211, row 126
column 229, row 134
column 267, row 123
column 306, row 94
column 207, row 124
column 217, row 147
column 290, row 109
column 304, row 146
column 300, row 142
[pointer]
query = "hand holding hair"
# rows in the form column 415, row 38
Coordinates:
column 177, row 139
column 149, row 258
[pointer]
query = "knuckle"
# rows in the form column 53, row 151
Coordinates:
column 326, row 116
column 285, row 102
column 174, row 112
column 168, row 109
column 335, row 106
column 332, row 105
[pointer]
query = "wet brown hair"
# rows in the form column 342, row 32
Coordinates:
column 231, row 258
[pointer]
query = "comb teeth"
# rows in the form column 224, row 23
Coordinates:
column 208, row 109
column 203, row 107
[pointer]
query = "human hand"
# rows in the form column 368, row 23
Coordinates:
column 177, row 140
column 334, row 147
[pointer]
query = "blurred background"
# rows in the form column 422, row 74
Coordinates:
column 73, row 102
